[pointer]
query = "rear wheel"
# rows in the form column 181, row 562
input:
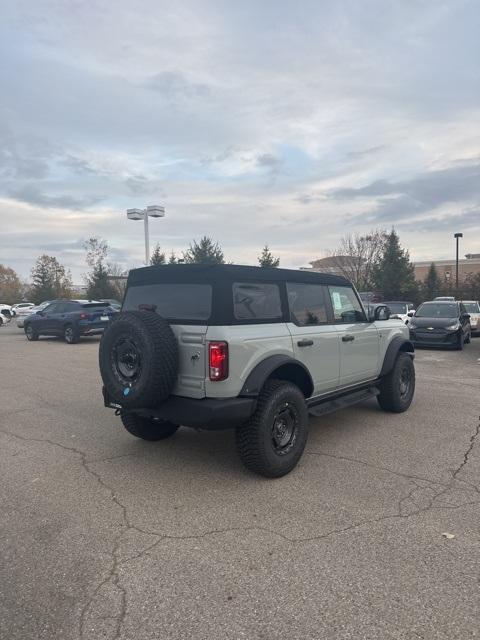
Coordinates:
column 272, row 442
column 71, row 334
column 147, row 428
column 397, row 387
column 30, row 332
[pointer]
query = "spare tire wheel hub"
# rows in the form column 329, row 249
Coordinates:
column 126, row 360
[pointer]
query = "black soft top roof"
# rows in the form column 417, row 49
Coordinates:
column 199, row 273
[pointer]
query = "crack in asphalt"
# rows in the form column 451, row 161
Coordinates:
column 113, row 575
column 467, row 453
column 378, row 467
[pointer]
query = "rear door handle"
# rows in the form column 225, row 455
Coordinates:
column 305, row 343
column 348, row 338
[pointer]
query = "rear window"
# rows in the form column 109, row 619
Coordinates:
column 256, row 301
column 173, row 301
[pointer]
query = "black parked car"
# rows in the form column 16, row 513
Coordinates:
column 69, row 319
column 440, row 323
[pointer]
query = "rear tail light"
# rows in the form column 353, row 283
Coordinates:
column 218, row 360
column 84, row 316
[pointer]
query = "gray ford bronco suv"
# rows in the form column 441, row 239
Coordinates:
column 255, row 349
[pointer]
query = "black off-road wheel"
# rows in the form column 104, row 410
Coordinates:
column 272, row 442
column 30, row 332
column 397, row 388
column 144, row 428
column 70, row 334
column 138, row 359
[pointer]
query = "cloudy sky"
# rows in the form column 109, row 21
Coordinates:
column 279, row 122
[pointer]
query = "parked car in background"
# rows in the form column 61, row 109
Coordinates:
column 69, row 319
column 21, row 306
column 440, row 323
column 399, row 309
column 6, row 314
column 473, row 309
column 368, row 297
column 115, row 304
column 24, row 313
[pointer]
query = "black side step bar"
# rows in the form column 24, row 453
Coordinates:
column 342, row 402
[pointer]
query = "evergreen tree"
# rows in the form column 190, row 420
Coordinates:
column 206, row 251
column 50, row 280
column 431, row 284
column 173, row 258
column 99, row 286
column 393, row 274
column 157, row 256
column 267, row 259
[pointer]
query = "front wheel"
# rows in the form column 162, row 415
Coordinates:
column 272, row 442
column 397, row 387
column 30, row 332
column 460, row 342
column 152, row 429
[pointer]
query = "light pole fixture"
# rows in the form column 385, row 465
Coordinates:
column 457, row 236
column 154, row 211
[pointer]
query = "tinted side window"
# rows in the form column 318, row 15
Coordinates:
column 307, row 303
column 182, row 301
column 346, row 307
column 62, row 307
column 51, row 308
column 256, row 301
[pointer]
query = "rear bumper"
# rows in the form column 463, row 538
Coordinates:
column 213, row 414
column 91, row 328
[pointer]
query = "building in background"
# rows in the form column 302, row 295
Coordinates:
column 331, row 264
column 446, row 268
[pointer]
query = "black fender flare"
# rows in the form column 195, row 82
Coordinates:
column 264, row 369
column 396, row 345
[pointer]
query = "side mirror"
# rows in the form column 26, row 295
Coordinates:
column 382, row 312
column 40, row 313
column 410, row 314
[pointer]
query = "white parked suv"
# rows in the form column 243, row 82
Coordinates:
column 257, row 349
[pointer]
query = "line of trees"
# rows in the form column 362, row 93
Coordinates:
column 104, row 279
column 373, row 262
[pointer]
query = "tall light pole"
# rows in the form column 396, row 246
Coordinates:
column 154, row 211
column 457, row 236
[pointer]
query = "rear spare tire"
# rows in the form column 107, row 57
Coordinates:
column 138, row 359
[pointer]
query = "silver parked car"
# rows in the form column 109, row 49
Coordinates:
column 23, row 314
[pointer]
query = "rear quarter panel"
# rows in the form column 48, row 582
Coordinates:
column 248, row 345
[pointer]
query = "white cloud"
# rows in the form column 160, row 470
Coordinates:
column 242, row 118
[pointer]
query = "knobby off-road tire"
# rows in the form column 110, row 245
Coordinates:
column 397, row 387
column 138, row 359
column 147, row 428
column 272, row 442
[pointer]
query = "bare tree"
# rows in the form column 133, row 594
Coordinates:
column 357, row 255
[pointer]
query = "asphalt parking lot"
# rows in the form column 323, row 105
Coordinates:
column 106, row 536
